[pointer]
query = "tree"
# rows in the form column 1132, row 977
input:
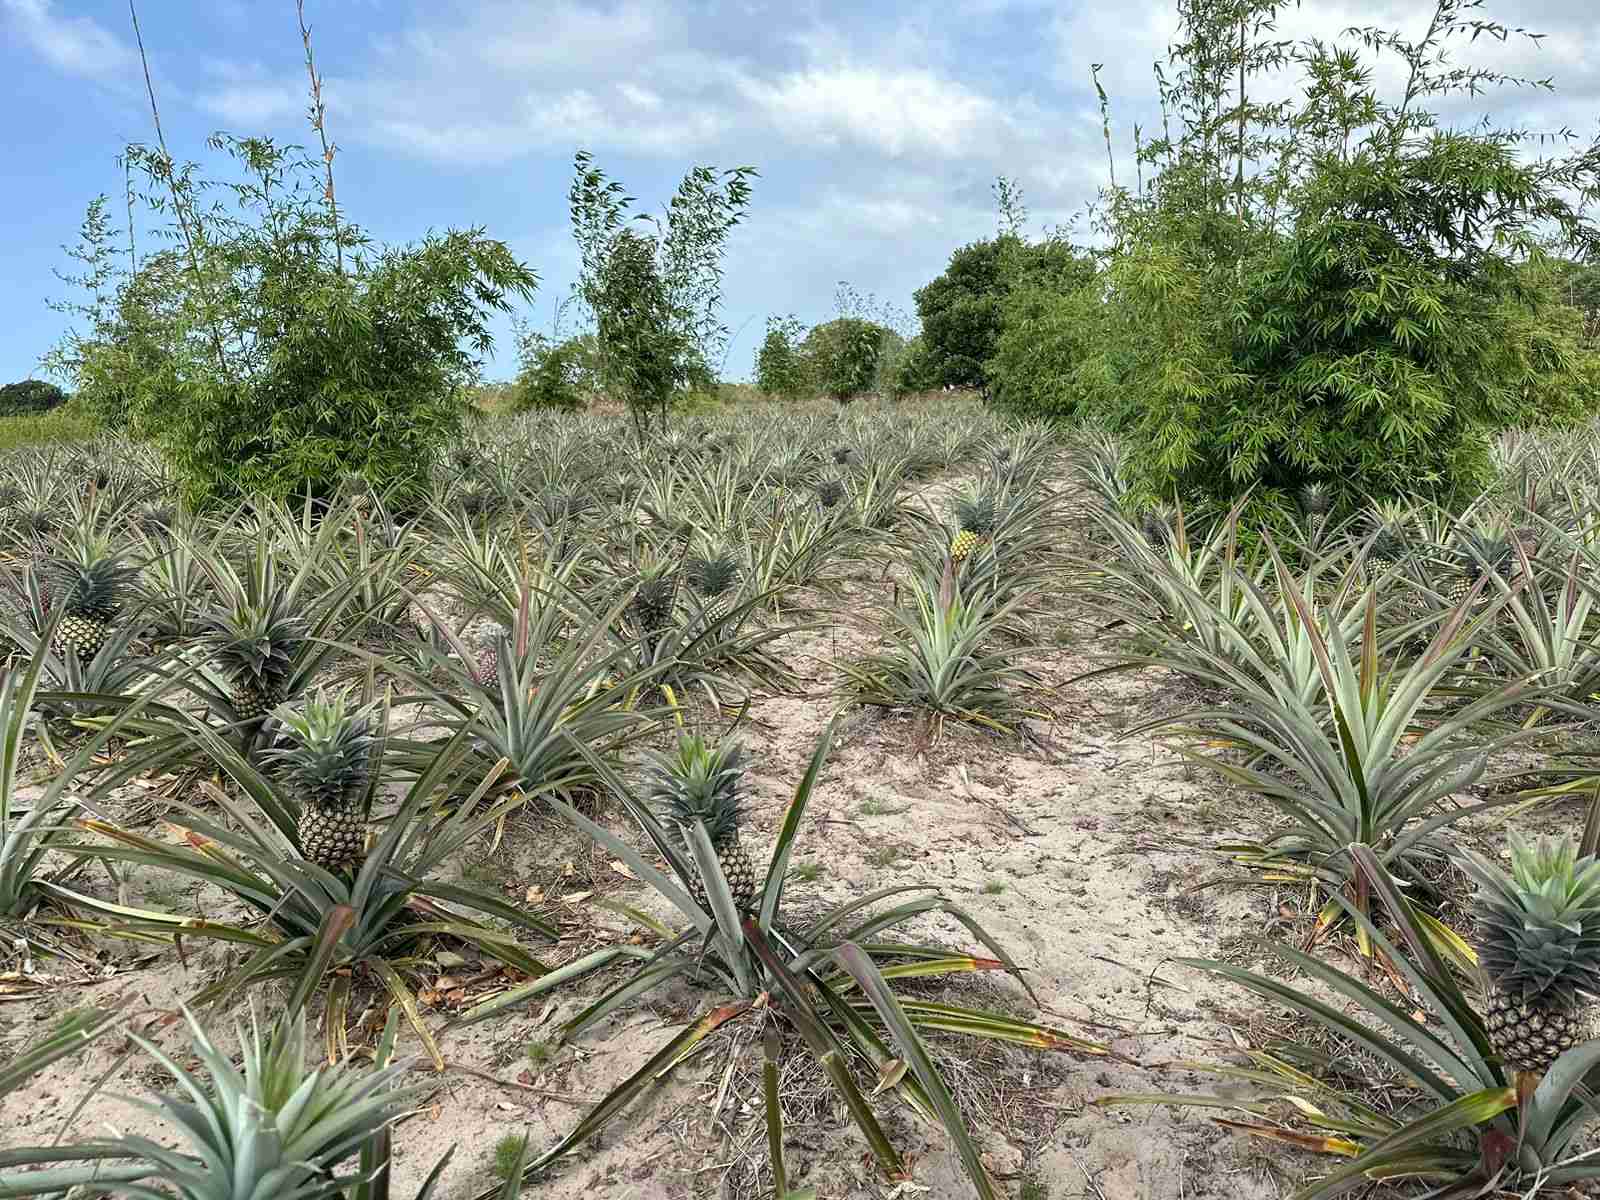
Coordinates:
column 30, row 396
column 278, row 350
column 656, row 295
column 781, row 368
column 962, row 311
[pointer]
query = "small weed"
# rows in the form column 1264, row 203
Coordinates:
column 1033, row 1188
column 807, row 872
column 540, row 1053
column 885, row 856
column 481, row 873
column 879, row 808
column 993, row 888
column 506, row 1152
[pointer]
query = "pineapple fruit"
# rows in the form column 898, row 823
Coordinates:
column 655, row 595
column 328, row 764
column 702, row 783
column 255, row 644
column 1539, row 947
column 91, row 584
column 975, row 515
column 714, row 578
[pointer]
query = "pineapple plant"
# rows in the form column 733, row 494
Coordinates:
column 654, row 597
column 976, row 514
column 1391, row 521
column 91, row 582
column 1538, row 944
column 1316, row 502
column 1477, row 553
column 327, row 763
column 702, row 783
column 255, row 643
column 714, row 577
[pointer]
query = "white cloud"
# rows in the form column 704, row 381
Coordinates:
column 885, row 108
column 79, row 45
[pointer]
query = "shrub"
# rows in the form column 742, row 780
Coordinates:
column 30, row 396
column 781, row 370
column 963, row 310
column 557, row 375
column 281, row 351
column 843, row 355
column 1045, row 354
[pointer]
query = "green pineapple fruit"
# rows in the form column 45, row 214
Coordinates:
column 702, row 783
column 714, row 578
column 255, row 643
column 655, row 595
column 829, row 493
column 328, row 764
column 91, row 584
column 1539, row 948
column 1157, row 525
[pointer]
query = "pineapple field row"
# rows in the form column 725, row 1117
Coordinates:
column 881, row 800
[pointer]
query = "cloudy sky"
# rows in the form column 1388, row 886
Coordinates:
column 878, row 129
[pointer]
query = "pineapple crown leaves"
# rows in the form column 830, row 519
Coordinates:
column 977, row 511
column 92, row 578
column 268, row 1119
column 1539, row 924
column 699, row 782
column 713, row 573
column 328, row 757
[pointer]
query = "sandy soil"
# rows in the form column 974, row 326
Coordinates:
column 1082, row 851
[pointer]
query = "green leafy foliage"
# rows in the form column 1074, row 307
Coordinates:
column 30, row 396
column 963, row 310
column 282, row 350
column 781, row 369
column 559, row 375
column 656, row 296
column 844, row 355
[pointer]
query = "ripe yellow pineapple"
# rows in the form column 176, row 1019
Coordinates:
column 976, row 516
column 1539, row 948
column 701, row 783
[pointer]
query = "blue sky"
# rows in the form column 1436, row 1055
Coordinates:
column 877, row 129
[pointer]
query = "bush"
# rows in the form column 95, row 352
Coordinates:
column 30, row 396
column 781, row 369
column 963, row 310
column 66, row 423
column 1046, row 351
column 843, row 355
column 555, row 375
column 280, row 351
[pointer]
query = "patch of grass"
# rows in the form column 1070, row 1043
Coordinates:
column 993, row 888
column 807, row 872
column 506, row 1152
column 1033, row 1188
column 540, row 1053
column 68, row 423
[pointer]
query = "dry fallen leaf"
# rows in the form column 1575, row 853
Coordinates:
column 621, row 868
